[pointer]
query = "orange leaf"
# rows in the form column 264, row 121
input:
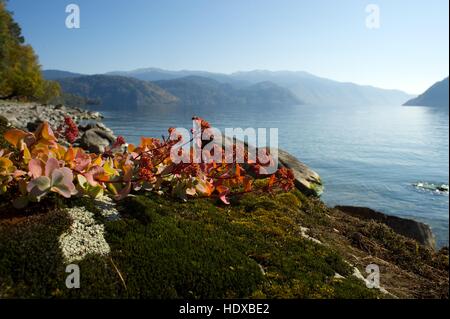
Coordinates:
column 238, row 171
column 247, row 185
column 127, row 173
column 203, row 187
column 45, row 132
column 98, row 161
column 147, row 141
column 131, row 148
column 271, row 180
column 15, row 137
column 222, row 189
column 70, row 155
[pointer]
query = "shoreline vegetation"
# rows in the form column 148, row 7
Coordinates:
column 285, row 245
column 58, row 208
column 20, row 72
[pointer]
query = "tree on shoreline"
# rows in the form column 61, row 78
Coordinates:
column 20, row 72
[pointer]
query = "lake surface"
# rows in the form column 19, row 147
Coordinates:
column 366, row 156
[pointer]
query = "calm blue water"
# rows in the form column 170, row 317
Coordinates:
column 367, row 156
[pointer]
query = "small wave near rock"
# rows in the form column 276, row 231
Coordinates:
column 432, row 187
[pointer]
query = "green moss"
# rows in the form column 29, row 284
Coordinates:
column 350, row 288
column 168, row 249
column 317, row 188
column 198, row 250
column 30, row 260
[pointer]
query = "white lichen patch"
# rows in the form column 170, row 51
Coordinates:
column 338, row 276
column 304, row 230
column 357, row 274
column 84, row 237
column 107, row 208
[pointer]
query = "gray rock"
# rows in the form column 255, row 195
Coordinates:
column 96, row 140
column 28, row 116
column 106, row 135
column 418, row 231
column 25, row 113
column 95, row 115
column 11, row 120
column 87, row 127
column 306, row 180
column 103, row 127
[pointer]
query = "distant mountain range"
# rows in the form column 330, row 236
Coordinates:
column 206, row 88
column 198, row 90
column 321, row 91
column 155, row 74
column 116, row 91
column 436, row 96
column 308, row 88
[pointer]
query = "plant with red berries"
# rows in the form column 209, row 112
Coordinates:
column 68, row 130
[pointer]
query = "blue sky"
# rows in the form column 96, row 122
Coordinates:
column 325, row 37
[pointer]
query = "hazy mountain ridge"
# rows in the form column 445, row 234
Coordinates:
column 436, row 96
column 321, row 91
column 307, row 87
column 120, row 91
column 288, row 87
column 156, row 74
column 117, row 91
column 197, row 90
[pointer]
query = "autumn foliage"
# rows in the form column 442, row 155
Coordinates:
column 37, row 165
column 20, row 72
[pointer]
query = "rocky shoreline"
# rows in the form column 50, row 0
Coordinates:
column 410, row 266
column 95, row 136
column 26, row 115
